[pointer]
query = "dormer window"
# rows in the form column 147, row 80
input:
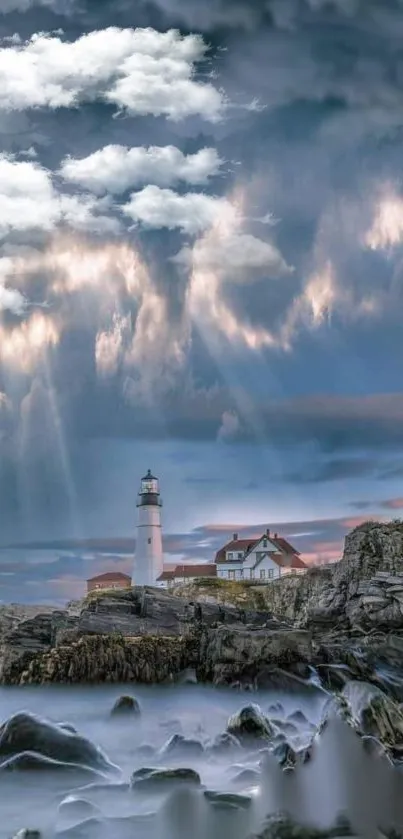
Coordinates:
column 230, row 556
column 265, row 543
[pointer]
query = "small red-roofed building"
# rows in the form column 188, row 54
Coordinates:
column 186, row 574
column 112, row 579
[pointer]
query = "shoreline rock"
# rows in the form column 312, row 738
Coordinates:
column 345, row 620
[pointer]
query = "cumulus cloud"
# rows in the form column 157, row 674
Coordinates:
column 141, row 71
column 30, row 201
column 117, row 168
column 11, row 300
column 191, row 213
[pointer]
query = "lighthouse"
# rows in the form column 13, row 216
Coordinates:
column 149, row 560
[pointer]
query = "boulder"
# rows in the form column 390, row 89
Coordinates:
column 28, row 733
column 26, row 833
column 33, row 762
column 282, row 826
column 224, row 743
column 250, row 724
column 288, row 758
column 180, row 746
column 374, row 714
column 126, row 706
column 227, row 800
column 158, row 779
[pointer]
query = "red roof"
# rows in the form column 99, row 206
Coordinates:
column 236, row 545
column 110, row 576
column 244, row 546
column 166, row 575
column 195, row 570
column 297, row 562
column 189, row 571
column 283, row 545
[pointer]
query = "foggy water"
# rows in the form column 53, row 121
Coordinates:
column 341, row 776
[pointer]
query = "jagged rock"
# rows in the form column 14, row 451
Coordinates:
column 250, row 723
column 374, row 714
column 155, row 779
column 94, row 659
column 180, row 746
column 126, row 706
column 282, row 826
column 244, row 655
column 336, row 707
column 153, row 636
column 27, row 733
column 284, row 727
column 224, row 743
column 228, row 799
column 288, row 758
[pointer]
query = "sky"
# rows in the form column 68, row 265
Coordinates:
column 201, row 273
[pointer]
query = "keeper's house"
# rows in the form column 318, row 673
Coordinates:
column 264, row 559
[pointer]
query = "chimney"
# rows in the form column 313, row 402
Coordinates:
column 268, row 532
column 235, row 537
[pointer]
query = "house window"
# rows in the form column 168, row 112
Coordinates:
column 270, row 573
column 262, row 574
column 229, row 555
column 240, row 556
column 231, row 575
column 149, row 540
column 265, row 543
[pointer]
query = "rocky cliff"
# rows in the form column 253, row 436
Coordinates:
column 350, row 614
column 364, row 589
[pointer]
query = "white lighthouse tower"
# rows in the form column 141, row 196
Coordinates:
column 149, row 560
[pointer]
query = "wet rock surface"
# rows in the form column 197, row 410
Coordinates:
column 157, row 778
column 181, row 799
column 126, row 706
column 250, row 724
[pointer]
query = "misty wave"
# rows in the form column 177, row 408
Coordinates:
column 169, row 773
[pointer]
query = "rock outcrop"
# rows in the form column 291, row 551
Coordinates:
column 345, row 620
column 365, row 588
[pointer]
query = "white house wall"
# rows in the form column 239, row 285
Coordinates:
column 234, row 567
column 254, row 556
column 254, row 567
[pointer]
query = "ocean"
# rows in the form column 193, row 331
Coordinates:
column 341, row 777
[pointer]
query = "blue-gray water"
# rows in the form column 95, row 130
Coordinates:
column 341, row 776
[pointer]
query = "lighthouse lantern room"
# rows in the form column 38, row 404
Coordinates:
column 149, row 560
